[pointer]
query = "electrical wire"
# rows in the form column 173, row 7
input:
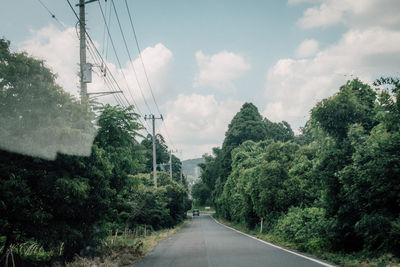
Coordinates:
column 120, row 65
column 140, row 54
column 104, row 30
column 106, row 79
column 144, row 68
column 118, row 99
column 169, row 137
column 129, row 55
column 93, row 52
column 116, row 55
column 99, row 55
column 51, row 13
column 110, row 83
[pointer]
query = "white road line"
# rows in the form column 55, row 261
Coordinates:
column 275, row 246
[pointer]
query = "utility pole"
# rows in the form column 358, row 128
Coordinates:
column 82, row 49
column 180, row 155
column 85, row 74
column 170, row 162
column 153, row 118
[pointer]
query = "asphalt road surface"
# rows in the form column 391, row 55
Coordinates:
column 204, row 242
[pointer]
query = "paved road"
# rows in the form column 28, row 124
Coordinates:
column 204, row 242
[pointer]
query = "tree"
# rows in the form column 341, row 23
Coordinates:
column 211, row 168
column 280, row 131
column 161, row 207
column 335, row 187
column 357, row 138
column 71, row 201
column 52, row 202
column 37, row 117
column 370, row 183
column 247, row 124
column 117, row 136
column 201, row 193
column 162, row 155
column 176, row 169
column 354, row 103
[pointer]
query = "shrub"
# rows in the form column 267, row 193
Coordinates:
column 307, row 228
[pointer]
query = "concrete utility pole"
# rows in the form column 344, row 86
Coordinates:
column 180, row 155
column 153, row 118
column 170, row 162
column 85, row 74
column 82, row 49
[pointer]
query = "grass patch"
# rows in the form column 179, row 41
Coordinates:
column 28, row 253
column 119, row 249
column 348, row 260
column 125, row 248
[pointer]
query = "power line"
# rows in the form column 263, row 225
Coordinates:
column 144, row 68
column 119, row 62
column 116, row 55
column 104, row 28
column 169, row 137
column 140, row 55
column 93, row 55
column 95, row 48
column 110, row 85
column 93, row 52
column 108, row 81
column 51, row 13
column 99, row 55
column 129, row 55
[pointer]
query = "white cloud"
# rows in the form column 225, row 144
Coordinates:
column 293, row 86
column 307, row 48
column 352, row 13
column 60, row 50
column 219, row 70
column 157, row 61
column 198, row 122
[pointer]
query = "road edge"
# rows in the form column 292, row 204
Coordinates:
column 275, row 246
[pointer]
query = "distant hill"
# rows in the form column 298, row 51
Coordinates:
column 190, row 167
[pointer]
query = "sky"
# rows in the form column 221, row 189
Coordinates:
column 205, row 59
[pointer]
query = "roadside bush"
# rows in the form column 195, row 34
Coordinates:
column 395, row 236
column 163, row 207
column 307, row 228
column 374, row 228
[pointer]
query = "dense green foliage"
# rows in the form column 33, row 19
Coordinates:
column 70, row 204
column 201, row 193
column 246, row 125
column 336, row 187
column 162, row 158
